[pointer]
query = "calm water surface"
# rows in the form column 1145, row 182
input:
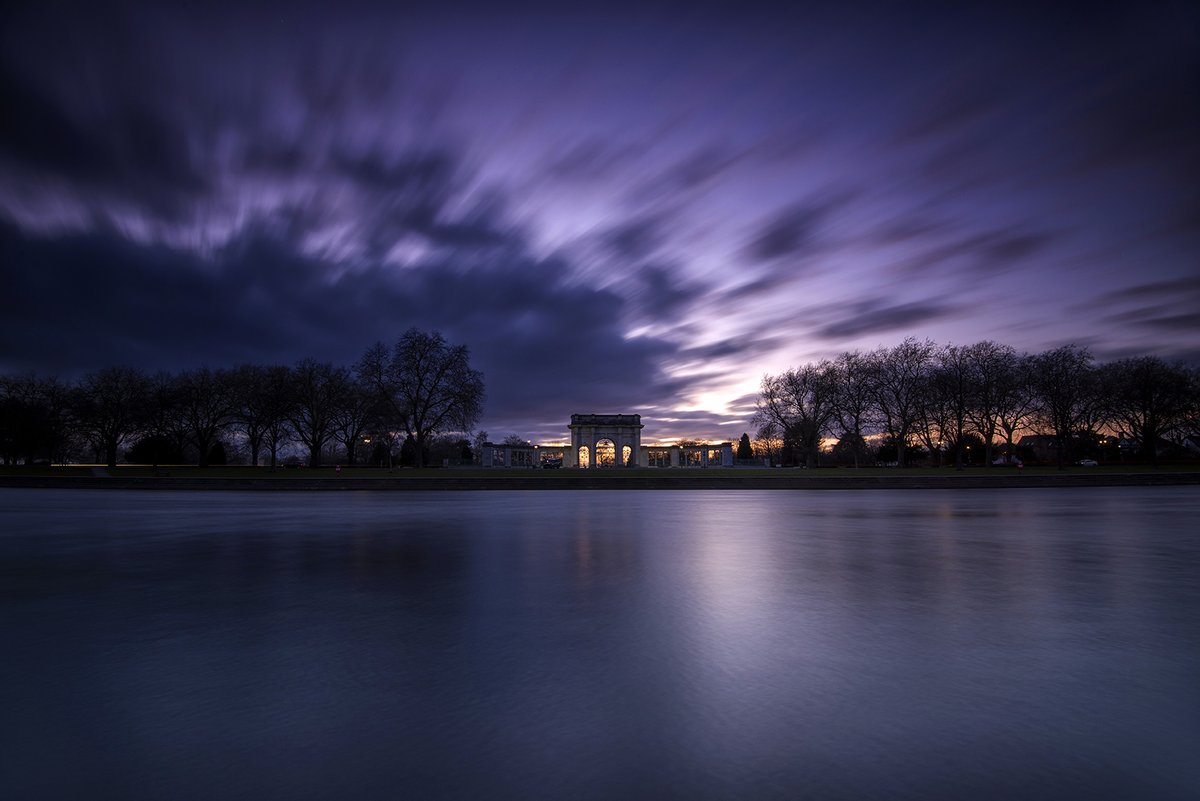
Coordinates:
column 995, row 644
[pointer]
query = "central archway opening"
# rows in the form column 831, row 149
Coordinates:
column 606, row 453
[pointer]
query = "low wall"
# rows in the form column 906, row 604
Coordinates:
column 584, row 481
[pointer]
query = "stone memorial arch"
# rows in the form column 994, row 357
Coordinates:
column 605, row 440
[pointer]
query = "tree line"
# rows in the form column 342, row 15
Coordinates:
column 939, row 398
column 421, row 387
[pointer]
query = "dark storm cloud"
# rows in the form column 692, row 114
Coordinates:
column 759, row 287
column 741, row 347
column 1186, row 289
column 132, row 150
column 1155, row 306
column 1187, row 322
column 658, row 292
column 876, row 316
column 90, row 300
column 981, row 253
column 636, row 238
column 1165, row 317
column 794, row 231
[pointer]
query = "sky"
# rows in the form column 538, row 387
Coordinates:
column 636, row 208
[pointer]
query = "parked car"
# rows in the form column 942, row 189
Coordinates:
column 1088, row 463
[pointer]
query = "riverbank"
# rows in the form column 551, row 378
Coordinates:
column 473, row 480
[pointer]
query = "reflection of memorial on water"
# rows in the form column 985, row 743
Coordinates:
column 607, row 441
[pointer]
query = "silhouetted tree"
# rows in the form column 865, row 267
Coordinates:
column 263, row 398
column 106, row 406
column 315, row 389
column 162, row 422
column 216, row 456
column 769, row 444
column 155, row 449
column 745, row 451
column 1146, row 399
column 356, row 411
column 800, row 404
column 426, row 383
column 934, row 427
column 850, row 450
column 408, row 452
column 898, row 379
column 207, row 405
column 381, row 451
column 1016, row 400
column 1189, row 428
column 1065, row 387
column 993, row 374
column 278, row 400
column 34, row 418
column 952, row 382
column 852, row 400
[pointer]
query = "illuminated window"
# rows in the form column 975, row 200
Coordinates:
column 584, row 461
column 627, row 456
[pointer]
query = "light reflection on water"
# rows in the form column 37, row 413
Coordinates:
column 919, row 644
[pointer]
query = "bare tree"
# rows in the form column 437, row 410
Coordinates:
column 933, row 428
column 277, row 389
column 1064, row 382
column 315, row 388
column 427, row 384
column 899, row 376
column 355, row 412
column 1189, row 427
column 801, row 404
column 163, row 422
column 33, row 418
column 107, row 405
column 263, row 401
column 1016, row 401
column 993, row 374
column 953, row 381
column 852, row 400
column 1146, row 399
column 207, row 403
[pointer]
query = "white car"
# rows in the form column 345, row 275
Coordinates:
column 1088, row 463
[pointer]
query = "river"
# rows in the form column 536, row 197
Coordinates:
column 922, row 644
